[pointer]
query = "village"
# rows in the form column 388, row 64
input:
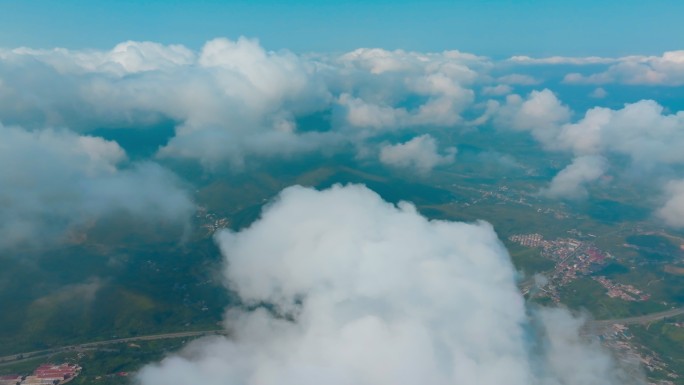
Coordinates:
column 46, row 374
column 573, row 259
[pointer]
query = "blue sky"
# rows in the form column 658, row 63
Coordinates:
column 495, row 27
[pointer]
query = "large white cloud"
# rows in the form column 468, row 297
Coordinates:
column 55, row 181
column 371, row 293
column 420, row 153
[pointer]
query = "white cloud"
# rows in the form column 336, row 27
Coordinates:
column 559, row 60
column 570, row 182
column 457, row 65
column 57, row 181
column 125, row 58
column 518, row 79
column 672, row 211
column 362, row 114
column 420, row 153
column 641, row 130
column 541, row 110
column 540, row 113
column 233, row 99
column 376, row 294
column 373, row 100
column 498, row 90
column 665, row 70
column 598, row 93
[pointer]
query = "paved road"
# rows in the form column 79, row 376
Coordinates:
column 644, row 319
column 13, row 358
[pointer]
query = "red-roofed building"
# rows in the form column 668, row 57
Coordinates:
column 50, row 374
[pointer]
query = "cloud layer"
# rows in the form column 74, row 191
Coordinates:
column 666, row 70
column 365, row 292
column 233, row 99
column 56, row 181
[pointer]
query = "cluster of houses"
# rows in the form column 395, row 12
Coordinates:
column 46, row 374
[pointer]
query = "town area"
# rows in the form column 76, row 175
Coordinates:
column 573, row 259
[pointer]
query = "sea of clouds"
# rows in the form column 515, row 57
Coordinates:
column 233, row 101
column 339, row 286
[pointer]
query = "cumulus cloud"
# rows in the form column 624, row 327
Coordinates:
column 541, row 113
column 54, row 181
column 672, row 212
column 420, row 153
column 570, row 182
column 665, row 70
column 641, row 130
column 363, row 114
column 438, row 79
column 366, row 292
